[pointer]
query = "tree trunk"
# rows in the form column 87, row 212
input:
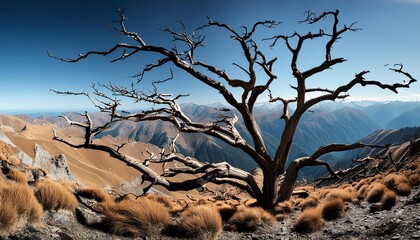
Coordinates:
column 289, row 181
column 269, row 196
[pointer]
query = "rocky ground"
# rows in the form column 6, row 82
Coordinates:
column 401, row 222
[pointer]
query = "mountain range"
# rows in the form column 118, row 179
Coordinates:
column 331, row 122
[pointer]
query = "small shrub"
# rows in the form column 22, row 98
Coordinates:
column 94, row 193
column 247, row 219
column 54, row 196
column 332, row 208
column 388, row 200
column 134, row 217
column 201, row 221
column 375, row 192
column 309, row 221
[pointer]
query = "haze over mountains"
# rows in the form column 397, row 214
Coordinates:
column 332, row 122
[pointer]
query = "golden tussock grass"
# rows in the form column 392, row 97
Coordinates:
column 226, row 211
column 362, row 191
column 414, row 180
column 332, row 208
column 17, row 176
column 310, row 220
column 171, row 205
column 399, row 183
column 134, row 217
column 198, row 222
column 19, row 206
column 388, row 200
column 249, row 219
column 375, row 192
column 403, row 189
column 361, row 183
column 54, row 196
column 309, row 202
column 97, row 194
column 346, row 194
column 285, row 207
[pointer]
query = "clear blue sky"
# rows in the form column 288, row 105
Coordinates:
column 391, row 34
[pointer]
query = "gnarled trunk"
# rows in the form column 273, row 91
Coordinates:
column 289, row 181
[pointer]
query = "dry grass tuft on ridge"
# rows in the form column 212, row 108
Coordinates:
column 399, row 183
column 388, row 200
column 97, row 194
column 309, row 202
column 17, row 176
column 19, row 206
column 310, row 220
column 332, row 208
column 198, row 222
column 375, row 192
column 140, row 217
column 247, row 219
column 55, row 196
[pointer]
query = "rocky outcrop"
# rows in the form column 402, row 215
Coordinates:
column 55, row 166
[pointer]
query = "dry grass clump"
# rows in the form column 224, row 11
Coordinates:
column 171, row 205
column 309, row 221
column 375, row 192
column 309, row 202
column 363, row 182
column 201, row 221
column 17, row 176
column 399, row 183
column 134, row 217
column 362, row 191
column 332, row 208
column 226, row 210
column 285, row 207
column 247, row 219
column 97, row 194
column 346, row 194
column 414, row 180
column 18, row 206
column 388, row 200
column 54, row 196
column 403, row 189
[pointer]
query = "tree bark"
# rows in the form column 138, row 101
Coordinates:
column 289, row 181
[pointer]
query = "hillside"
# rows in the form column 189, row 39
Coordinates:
column 315, row 130
column 90, row 167
column 380, row 137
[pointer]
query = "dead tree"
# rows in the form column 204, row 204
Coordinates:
column 278, row 182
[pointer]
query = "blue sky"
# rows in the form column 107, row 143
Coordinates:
column 390, row 34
